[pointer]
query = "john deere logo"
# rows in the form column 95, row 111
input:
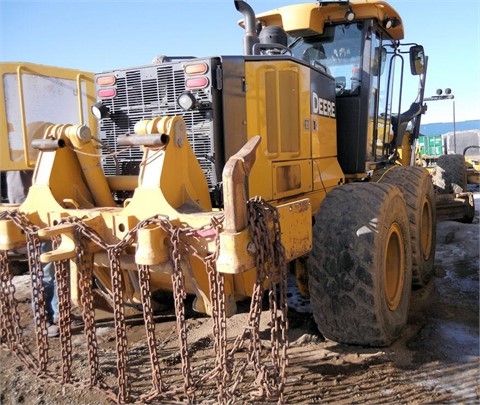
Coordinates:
column 322, row 107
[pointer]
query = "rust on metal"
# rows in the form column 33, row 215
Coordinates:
column 227, row 370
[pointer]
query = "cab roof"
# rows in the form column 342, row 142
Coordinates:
column 310, row 18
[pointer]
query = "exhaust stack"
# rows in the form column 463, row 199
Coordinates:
column 251, row 36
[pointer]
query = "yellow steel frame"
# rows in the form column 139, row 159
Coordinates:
column 85, row 93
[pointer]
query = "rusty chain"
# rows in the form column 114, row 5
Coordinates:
column 146, row 296
column 36, row 273
column 119, row 320
column 9, row 316
column 270, row 378
column 11, row 331
column 64, row 321
column 8, row 304
column 279, row 308
column 11, row 328
column 86, row 300
column 62, row 276
column 179, row 295
column 217, row 297
column 268, row 246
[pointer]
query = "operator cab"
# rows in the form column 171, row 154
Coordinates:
column 365, row 57
column 368, row 68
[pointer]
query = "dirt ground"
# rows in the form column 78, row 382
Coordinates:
column 436, row 360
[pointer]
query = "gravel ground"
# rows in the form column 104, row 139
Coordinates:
column 436, row 360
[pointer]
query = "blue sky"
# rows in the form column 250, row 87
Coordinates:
column 97, row 35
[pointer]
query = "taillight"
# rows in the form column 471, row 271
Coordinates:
column 106, row 93
column 195, row 75
column 197, row 82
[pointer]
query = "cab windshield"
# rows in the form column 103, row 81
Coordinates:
column 337, row 52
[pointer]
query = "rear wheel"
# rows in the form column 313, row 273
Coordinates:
column 450, row 174
column 360, row 264
column 417, row 189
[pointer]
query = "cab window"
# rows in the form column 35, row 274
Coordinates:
column 338, row 52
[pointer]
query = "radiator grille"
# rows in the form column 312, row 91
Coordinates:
column 147, row 92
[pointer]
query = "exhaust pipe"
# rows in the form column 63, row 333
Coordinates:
column 251, row 37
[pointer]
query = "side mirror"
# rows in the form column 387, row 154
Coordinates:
column 417, row 60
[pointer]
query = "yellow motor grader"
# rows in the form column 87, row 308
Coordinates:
column 206, row 176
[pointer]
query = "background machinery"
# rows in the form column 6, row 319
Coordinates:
column 308, row 118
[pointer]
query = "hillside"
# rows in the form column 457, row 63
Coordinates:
column 444, row 127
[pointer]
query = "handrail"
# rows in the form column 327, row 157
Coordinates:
column 79, row 97
column 22, row 115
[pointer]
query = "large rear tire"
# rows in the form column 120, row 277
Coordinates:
column 450, row 174
column 360, row 265
column 417, row 188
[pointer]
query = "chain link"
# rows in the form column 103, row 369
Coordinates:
column 268, row 246
column 119, row 319
column 38, row 289
column 217, row 297
column 228, row 372
column 64, row 321
column 8, row 303
column 179, row 295
column 146, row 296
column 86, row 300
column 11, row 331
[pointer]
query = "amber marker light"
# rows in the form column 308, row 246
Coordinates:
column 106, row 81
column 196, row 69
